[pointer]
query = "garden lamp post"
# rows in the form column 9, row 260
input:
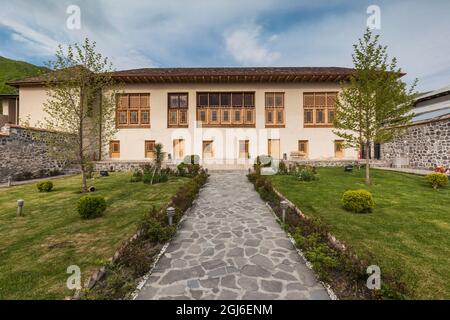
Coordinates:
column 170, row 213
column 284, row 206
column 20, row 204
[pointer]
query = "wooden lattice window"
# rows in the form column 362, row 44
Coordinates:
column 133, row 110
column 226, row 109
column 274, row 109
column 319, row 108
column 177, row 111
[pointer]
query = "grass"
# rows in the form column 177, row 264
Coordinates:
column 409, row 230
column 35, row 250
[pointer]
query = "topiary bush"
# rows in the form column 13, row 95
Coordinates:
column 437, row 180
column 45, row 186
column 90, row 207
column 358, row 201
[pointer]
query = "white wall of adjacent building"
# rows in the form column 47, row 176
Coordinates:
column 226, row 140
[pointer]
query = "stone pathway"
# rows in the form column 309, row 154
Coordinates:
column 230, row 247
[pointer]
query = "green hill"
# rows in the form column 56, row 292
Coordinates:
column 14, row 70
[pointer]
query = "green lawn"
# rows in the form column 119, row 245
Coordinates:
column 409, row 229
column 35, row 250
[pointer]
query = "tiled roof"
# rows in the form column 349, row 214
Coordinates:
column 231, row 74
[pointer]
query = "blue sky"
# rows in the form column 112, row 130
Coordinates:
column 173, row 33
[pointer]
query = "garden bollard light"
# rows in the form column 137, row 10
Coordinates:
column 20, row 204
column 284, row 206
column 170, row 214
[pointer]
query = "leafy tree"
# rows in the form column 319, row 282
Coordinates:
column 81, row 101
column 375, row 105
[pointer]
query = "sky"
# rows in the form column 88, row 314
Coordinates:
column 207, row 33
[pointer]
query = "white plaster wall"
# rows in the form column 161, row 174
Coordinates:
column 31, row 105
column 321, row 140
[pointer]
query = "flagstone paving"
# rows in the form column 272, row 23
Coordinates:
column 231, row 247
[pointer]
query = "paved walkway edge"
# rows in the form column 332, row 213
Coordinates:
column 327, row 287
column 144, row 279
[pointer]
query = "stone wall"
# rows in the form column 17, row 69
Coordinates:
column 423, row 146
column 21, row 153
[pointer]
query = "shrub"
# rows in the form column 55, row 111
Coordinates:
column 188, row 170
column 305, row 173
column 137, row 176
column 282, row 168
column 161, row 177
column 437, row 180
column 45, row 186
column 90, row 207
column 155, row 231
column 358, row 201
column 147, row 178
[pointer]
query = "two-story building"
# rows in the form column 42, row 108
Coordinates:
column 224, row 115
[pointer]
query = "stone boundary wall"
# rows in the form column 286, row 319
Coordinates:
column 425, row 146
column 21, row 152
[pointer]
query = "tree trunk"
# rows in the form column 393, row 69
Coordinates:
column 366, row 151
column 84, row 188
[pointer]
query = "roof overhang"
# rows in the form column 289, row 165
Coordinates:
column 220, row 75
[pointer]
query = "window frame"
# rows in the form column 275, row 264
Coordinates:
column 128, row 110
column 179, row 111
column 306, row 147
column 146, row 143
column 271, row 107
column 230, row 103
column 322, row 101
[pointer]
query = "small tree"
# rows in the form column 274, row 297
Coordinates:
column 159, row 158
column 81, row 102
column 374, row 106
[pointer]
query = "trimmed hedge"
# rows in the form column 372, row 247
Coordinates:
column 45, row 186
column 437, row 180
column 358, row 201
column 90, row 207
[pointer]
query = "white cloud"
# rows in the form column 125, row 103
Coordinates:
column 246, row 47
column 34, row 39
column 213, row 33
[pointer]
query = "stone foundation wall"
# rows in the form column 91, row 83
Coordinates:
column 337, row 163
column 423, row 146
column 119, row 165
column 21, row 153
